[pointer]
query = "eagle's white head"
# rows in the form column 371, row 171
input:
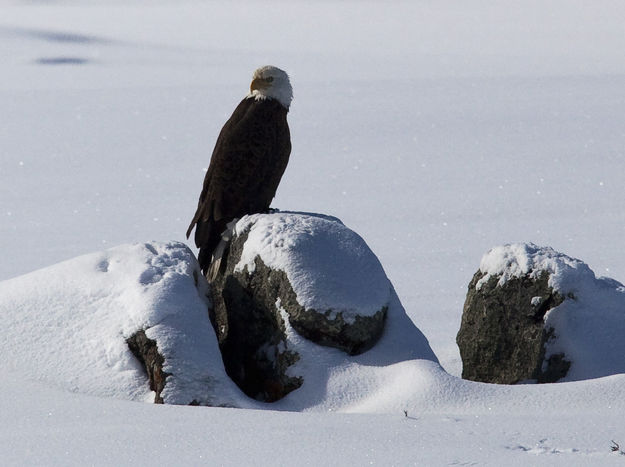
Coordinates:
column 271, row 82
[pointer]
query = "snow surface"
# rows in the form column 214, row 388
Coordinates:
column 520, row 259
column 435, row 130
column 67, row 325
column 329, row 266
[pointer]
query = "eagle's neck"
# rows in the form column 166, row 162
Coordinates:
column 283, row 96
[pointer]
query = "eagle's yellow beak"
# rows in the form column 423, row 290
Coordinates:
column 259, row 83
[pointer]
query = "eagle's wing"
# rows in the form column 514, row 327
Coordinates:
column 248, row 161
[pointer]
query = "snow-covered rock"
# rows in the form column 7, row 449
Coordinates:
column 74, row 320
column 333, row 288
column 532, row 313
column 305, row 271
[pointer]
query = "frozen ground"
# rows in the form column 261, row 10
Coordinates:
column 436, row 130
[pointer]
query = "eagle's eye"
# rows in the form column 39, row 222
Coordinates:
column 269, row 79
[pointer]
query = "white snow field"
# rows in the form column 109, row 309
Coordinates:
column 435, row 130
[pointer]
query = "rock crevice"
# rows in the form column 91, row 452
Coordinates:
column 146, row 351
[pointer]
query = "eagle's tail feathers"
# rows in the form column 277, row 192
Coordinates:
column 220, row 254
column 190, row 229
column 214, row 268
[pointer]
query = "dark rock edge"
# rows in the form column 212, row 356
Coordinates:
column 146, row 351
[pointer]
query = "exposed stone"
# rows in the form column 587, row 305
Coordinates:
column 330, row 328
column 146, row 351
column 250, row 330
column 503, row 335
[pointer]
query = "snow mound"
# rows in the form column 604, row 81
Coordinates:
column 329, row 266
column 336, row 381
column 521, row 259
column 68, row 324
column 590, row 323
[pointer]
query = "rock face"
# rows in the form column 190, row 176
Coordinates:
column 146, row 351
column 250, row 331
column 532, row 313
column 502, row 337
column 307, row 272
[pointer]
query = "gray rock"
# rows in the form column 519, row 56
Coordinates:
column 533, row 313
column 250, row 330
column 251, row 304
column 502, row 338
column 146, row 351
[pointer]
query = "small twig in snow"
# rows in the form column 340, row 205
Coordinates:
column 616, row 448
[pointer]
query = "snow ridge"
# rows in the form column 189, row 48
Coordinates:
column 520, row 259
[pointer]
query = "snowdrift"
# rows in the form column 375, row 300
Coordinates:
column 67, row 325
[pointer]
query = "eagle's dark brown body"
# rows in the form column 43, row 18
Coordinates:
column 248, row 161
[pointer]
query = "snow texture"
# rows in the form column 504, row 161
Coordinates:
column 67, row 325
column 521, row 259
column 589, row 327
column 329, row 266
column 335, row 381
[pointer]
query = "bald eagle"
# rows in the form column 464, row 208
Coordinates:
column 250, row 156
